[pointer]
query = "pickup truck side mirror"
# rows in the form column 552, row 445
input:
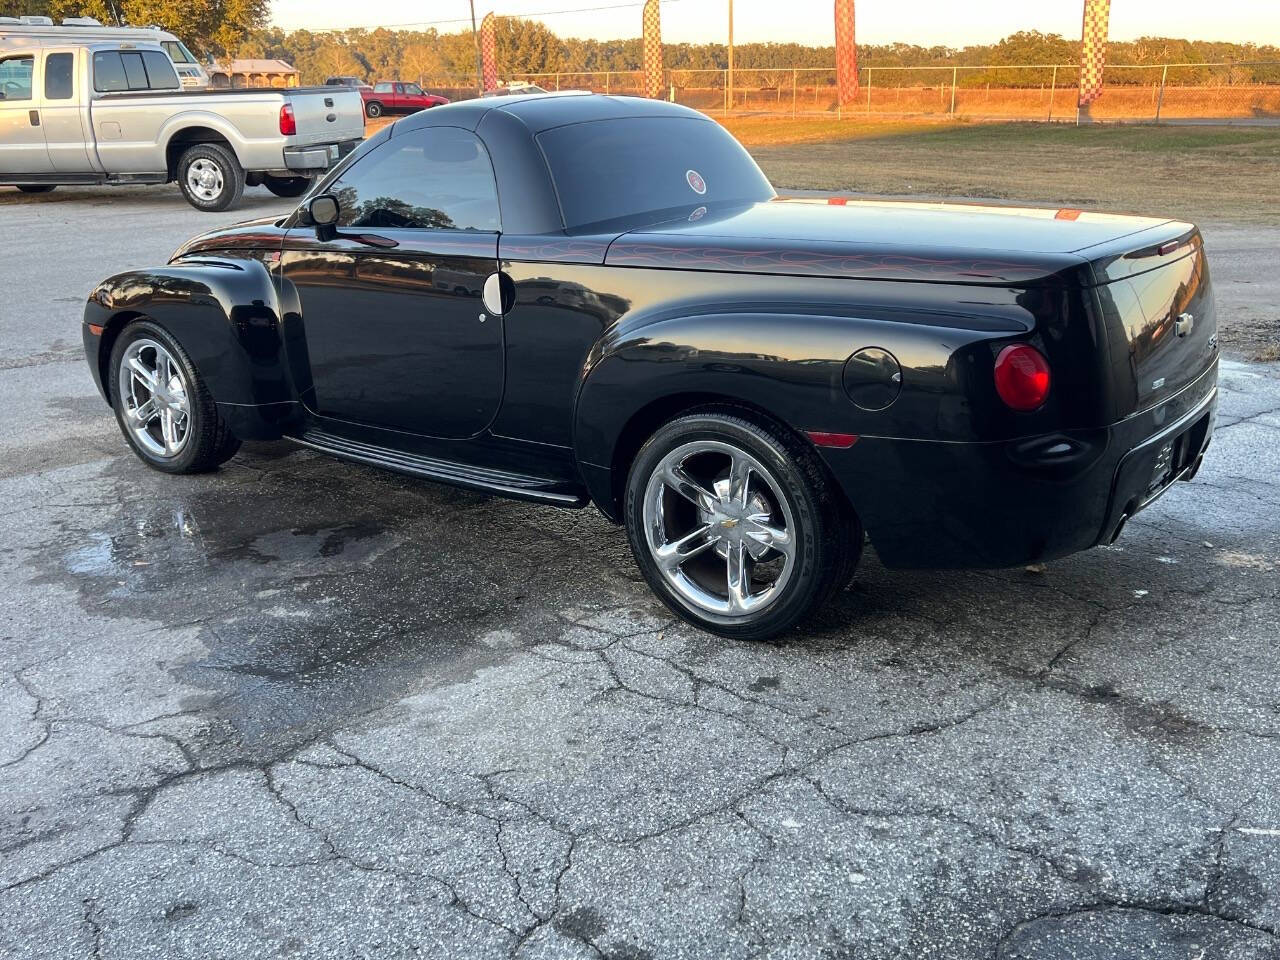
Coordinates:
column 324, row 212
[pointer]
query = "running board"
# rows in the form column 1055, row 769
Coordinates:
column 500, row 482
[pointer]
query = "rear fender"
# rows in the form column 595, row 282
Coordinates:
column 789, row 366
column 225, row 314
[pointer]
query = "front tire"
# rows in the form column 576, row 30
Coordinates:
column 736, row 525
column 37, row 187
column 373, row 109
column 210, row 177
column 287, row 186
column 162, row 404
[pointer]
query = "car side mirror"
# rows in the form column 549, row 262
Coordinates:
column 324, row 212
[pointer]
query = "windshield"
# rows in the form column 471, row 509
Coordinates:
column 608, row 169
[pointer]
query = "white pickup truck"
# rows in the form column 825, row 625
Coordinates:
column 114, row 112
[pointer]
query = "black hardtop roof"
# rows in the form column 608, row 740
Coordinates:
column 542, row 111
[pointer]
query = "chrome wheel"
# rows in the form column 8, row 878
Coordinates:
column 205, row 179
column 719, row 529
column 156, row 398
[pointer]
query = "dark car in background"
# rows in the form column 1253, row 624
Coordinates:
column 589, row 299
column 344, row 82
column 394, row 96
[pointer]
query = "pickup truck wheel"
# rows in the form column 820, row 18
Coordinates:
column 164, row 409
column 211, row 177
column 735, row 525
column 373, row 108
column 287, row 186
column 37, row 187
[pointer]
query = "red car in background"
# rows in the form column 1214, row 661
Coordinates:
column 387, row 96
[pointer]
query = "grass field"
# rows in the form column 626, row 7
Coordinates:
column 1205, row 174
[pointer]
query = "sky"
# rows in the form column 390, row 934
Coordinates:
column 955, row 23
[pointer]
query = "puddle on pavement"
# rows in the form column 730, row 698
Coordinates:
column 314, row 603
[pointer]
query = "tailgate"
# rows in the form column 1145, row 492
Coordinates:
column 1161, row 324
column 326, row 115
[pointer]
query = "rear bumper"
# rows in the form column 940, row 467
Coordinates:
column 987, row 505
column 317, row 157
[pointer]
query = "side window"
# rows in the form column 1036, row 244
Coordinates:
column 133, row 71
column 439, row 178
column 160, row 72
column 382, row 88
column 108, row 73
column 115, row 71
column 15, row 77
column 58, row 83
column 413, row 88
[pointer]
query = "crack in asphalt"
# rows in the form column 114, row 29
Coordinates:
column 532, row 864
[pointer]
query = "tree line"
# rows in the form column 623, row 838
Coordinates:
column 239, row 28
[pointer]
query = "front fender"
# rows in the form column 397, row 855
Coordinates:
column 225, row 314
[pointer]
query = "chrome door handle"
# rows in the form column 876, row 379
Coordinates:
column 499, row 293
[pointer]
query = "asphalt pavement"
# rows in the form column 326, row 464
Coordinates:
column 303, row 708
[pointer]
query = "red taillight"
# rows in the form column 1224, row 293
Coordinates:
column 288, row 125
column 1022, row 377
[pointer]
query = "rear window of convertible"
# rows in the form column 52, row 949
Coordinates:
column 606, row 169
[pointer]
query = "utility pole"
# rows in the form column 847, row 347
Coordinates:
column 728, row 96
column 475, row 38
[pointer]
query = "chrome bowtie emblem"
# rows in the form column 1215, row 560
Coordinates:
column 729, row 522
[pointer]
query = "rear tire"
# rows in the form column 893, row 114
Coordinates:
column 784, row 534
column 210, row 177
column 203, row 441
column 287, row 186
column 373, row 109
column 37, row 187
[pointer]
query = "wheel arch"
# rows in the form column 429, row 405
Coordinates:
column 645, row 421
column 189, row 136
column 225, row 315
column 111, row 331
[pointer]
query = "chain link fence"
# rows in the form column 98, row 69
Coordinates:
column 1158, row 92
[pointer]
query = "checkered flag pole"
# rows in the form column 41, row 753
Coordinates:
column 846, row 53
column 1093, row 49
column 488, row 57
column 652, row 49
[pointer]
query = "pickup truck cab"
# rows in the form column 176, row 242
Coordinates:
column 87, row 29
column 115, row 113
column 392, row 96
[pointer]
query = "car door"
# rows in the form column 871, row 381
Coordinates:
column 396, row 333
column 397, row 98
column 413, row 99
column 62, row 113
column 22, row 148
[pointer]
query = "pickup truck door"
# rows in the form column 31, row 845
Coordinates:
column 62, row 112
column 390, row 308
column 414, row 98
column 22, row 148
